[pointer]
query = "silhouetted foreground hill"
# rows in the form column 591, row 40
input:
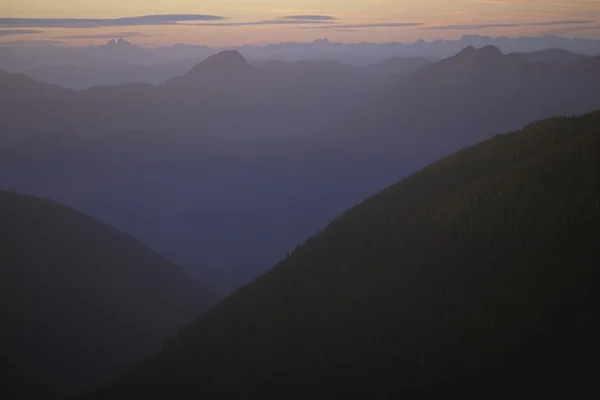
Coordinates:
column 80, row 302
column 475, row 275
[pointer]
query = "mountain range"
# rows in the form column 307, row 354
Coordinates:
column 223, row 95
column 16, row 58
column 120, row 61
column 126, row 154
column 80, row 301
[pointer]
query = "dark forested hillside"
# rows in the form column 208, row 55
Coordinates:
column 80, row 302
column 475, row 273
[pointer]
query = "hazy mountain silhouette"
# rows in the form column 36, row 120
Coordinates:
column 18, row 86
column 229, row 62
column 36, row 109
column 223, row 96
column 21, row 59
column 382, row 74
column 81, row 302
column 474, row 94
column 152, row 147
column 304, row 65
column 592, row 62
column 397, row 66
column 239, row 101
column 23, row 96
column 553, row 56
column 368, row 53
column 109, row 73
column 474, row 275
column 225, row 70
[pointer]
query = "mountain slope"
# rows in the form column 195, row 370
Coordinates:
column 241, row 102
column 79, row 301
column 475, row 272
column 108, row 73
column 33, row 109
column 552, row 56
column 223, row 96
column 396, row 67
column 469, row 97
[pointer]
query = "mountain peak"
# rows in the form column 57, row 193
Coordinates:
column 467, row 50
column 120, row 42
column 322, row 41
column 228, row 60
column 484, row 53
column 490, row 50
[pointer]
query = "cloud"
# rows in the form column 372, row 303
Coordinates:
column 381, row 25
column 107, row 35
column 266, row 22
column 507, row 25
column 470, row 26
column 166, row 19
column 577, row 29
column 366, row 26
column 31, row 43
column 310, row 17
column 7, row 32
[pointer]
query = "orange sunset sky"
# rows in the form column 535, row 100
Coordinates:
column 236, row 22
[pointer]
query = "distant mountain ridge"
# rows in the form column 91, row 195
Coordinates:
column 553, row 56
column 20, row 59
column 477, row 91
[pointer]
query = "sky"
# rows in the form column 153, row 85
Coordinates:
column 237, row 22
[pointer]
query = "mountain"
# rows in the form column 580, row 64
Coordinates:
column 24, row 104
column 114, row 147
column 475, row 275
column 223, row 96
column 592, row 62
column 226, row 70
column 238, row 101
column 388, row 72
column 364, row 53
column 470, row 96
column 25, row 58
column 37, row 109
column 19, row 86
column 304, row 66
column 80, row 301
column 553, row 56
column 396, row 67
column 226, row 62
column 109, row 73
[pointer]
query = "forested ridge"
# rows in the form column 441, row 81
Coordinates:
column 80, row 302
column 476, row 273
column 475, row 270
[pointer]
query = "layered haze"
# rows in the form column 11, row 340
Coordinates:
column 311, row 199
